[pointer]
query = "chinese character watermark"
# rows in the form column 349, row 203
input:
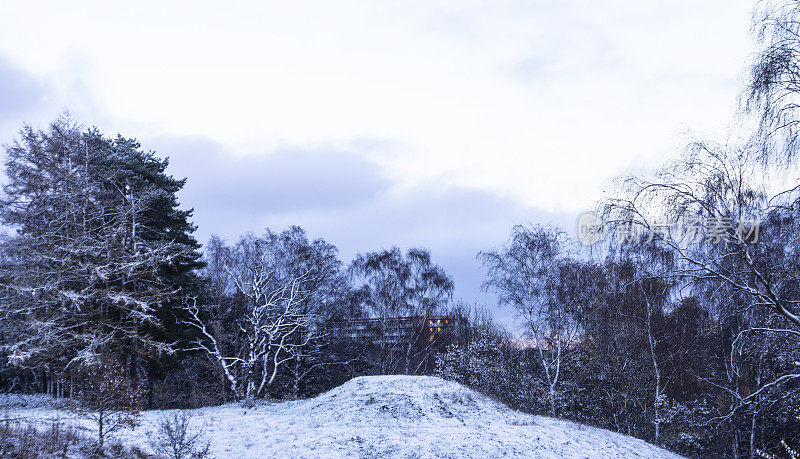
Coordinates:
column 690, row 230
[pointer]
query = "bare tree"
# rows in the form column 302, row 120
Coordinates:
column 270, row 325
column 525, row 274
column 402, row 292
column 176, row 438
column 773, row 92
column 739, row 253
column 106, row 397
column 712, row 192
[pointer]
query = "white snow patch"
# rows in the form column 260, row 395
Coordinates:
column 387, row 416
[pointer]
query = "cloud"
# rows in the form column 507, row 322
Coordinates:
column 20, row 93
column 544, row 100
column 233, row 194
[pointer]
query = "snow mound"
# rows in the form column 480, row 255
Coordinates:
column 391, row 416
column 422, row 416
column 404, row 400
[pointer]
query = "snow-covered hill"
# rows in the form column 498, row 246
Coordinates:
column 394, row 416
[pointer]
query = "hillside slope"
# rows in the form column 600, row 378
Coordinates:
column 398, row 416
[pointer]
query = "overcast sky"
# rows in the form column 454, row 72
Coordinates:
column 372, row 124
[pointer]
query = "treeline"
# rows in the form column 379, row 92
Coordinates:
column 642, row 342
column 102, row 272
column 683, row 326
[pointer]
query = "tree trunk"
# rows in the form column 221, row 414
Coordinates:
column 652, row 341
column 100, row 431
column 753, row 434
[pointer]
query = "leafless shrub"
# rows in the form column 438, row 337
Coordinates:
column 107, row 398
column 176, row 438
column 22, row 440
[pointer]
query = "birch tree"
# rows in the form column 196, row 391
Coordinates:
column 741, row 257
column 773, row 90
column 525, row 274
column 410, row 286
column 269, row 326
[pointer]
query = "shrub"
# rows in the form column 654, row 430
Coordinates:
column 108, row 398
column 176, row 439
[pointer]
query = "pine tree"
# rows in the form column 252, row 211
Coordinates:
column 101, row 253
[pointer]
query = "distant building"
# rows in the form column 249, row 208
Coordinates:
column 390, row 331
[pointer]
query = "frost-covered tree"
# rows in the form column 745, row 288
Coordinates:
column 106, row 397
column 773, row 90
column 325, row 299
column 479, row 364
column 263, row 321
column 315, row 263
column 527, row 275
column 178, row 438
column 99, row 253
column 492, row 364
column 391, row 285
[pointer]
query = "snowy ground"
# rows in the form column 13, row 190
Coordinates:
column 385, row 416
